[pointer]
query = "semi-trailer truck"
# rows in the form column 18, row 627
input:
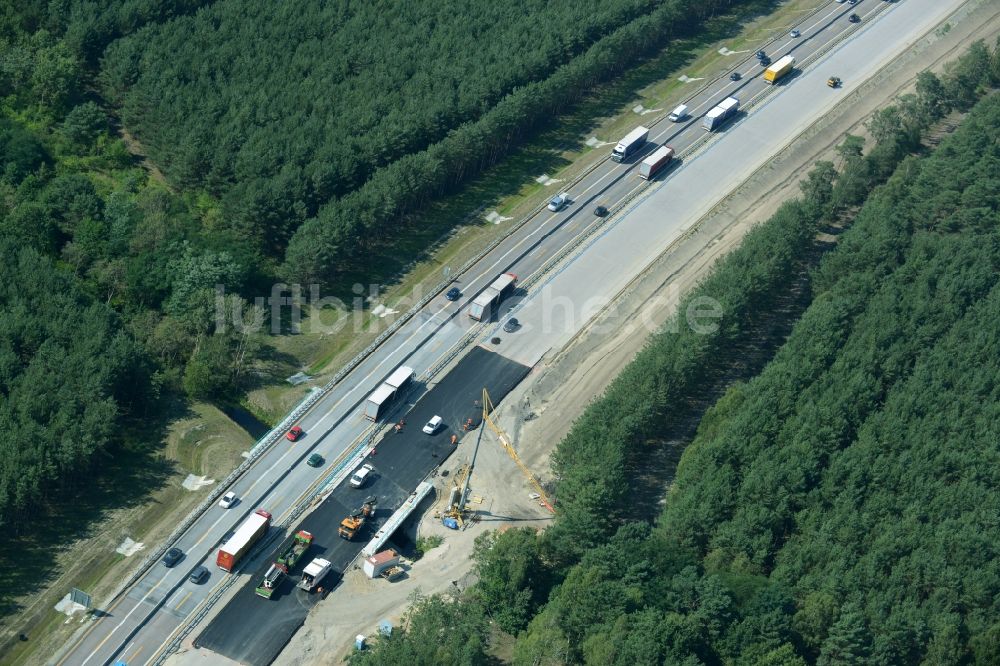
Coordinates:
column 719, row 114
column 779, row 69
column 635, row 140
column 482, row 306
column 383, row 395
column 243, row 539
column 656, row 162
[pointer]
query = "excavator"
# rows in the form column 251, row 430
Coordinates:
column 350, row 526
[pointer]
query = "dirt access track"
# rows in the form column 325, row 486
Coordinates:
column 570, row 378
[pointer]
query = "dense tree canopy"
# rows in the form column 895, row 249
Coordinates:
column 284, row 110
column 69, row 374
column 838, row 507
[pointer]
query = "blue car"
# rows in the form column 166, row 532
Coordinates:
column 453, row 294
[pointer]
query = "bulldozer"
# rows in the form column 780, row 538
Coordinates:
column 350, row 526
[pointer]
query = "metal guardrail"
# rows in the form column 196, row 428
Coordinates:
column 264, row 444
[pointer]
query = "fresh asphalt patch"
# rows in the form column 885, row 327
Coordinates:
column 252, row 630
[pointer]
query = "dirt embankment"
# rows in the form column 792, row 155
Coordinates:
column 542, row 409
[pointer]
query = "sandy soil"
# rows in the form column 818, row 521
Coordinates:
column 574, row 376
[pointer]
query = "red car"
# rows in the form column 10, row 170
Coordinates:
column 294, row 434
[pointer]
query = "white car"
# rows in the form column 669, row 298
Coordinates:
column 432, row 425
column 228, row 500
column 360, row 476
column 558, row 201
column 795, row 34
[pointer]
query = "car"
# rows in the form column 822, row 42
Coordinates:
column 315, row 460
column 228, row 500
column 295, row 434
column 765, row 61
column 852, row 2
column 172, row 557
column 761, row 55
column 854, row 18
column 557, row 202
column 833, row 82
column 600, row 211
column 360, row 476
column 453, row 294
column 735, row 76
column 432, row 425
column 511, row 325
column 840, row 2
column 199, row 574
column 795, row 34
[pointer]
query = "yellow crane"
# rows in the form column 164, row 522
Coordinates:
column 505, row 442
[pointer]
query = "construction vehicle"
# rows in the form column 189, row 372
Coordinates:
column 350, row 526
column 313, row 574
column 456, row 507
column 296, row 549
column 272, row 578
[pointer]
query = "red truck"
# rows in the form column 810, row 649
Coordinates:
column 243, row 539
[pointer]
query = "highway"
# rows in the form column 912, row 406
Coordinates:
column 136, row 626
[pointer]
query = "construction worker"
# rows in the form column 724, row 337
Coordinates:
column 454, row 440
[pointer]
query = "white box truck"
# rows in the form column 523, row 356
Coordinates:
column 635, row 140
column 725, row 110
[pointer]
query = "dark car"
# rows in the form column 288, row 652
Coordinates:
column 761, row 55
column 453, row 294
column 199, row 574
column 735, row 76
column 765, row 61
column 512, row 325
column 315, row 460
column 172, row 557
column 600, row 211
column 854, row 18
column 294, row 434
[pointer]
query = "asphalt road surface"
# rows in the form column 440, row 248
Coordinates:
column 135, row 627
column 252, row 630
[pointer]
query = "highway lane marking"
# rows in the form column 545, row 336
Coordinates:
column 598, row 182
column 183, row 599
column 120, row 624
column 132, row 656
column 483, row 273
column 782, row 48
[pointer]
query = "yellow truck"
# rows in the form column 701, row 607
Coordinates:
column 778, row 69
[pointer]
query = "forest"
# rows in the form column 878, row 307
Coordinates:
column 836, row 505
column 337, row 124
column 277, row 128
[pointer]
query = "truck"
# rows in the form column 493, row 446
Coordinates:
column 779, row 69
column 632, row 142
column 488, row 298
column 296, row 549
column 383, row 395
column 678, row 114
column 350, row 526
column 722, row 112
column 313, row 573
column 243, row 539
column 272, row 579
column 656, row 162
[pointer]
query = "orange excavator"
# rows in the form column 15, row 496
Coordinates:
column 350, row 526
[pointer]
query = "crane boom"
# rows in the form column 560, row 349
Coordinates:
column 505, row 442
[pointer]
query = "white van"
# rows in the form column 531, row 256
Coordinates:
column 678, row 114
